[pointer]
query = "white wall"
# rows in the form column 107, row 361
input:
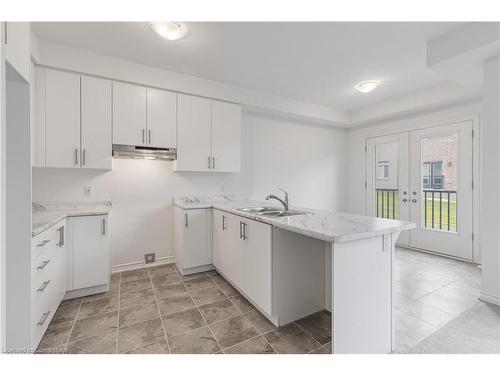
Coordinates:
column 307, row 160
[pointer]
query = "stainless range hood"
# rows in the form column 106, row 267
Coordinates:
column 142, row 152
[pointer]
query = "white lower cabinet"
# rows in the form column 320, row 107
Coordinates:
column 88, row 252
column 47, row 278
column 243, row 253
column 193, row 240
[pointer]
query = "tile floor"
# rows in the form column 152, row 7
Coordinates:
column 156, row 310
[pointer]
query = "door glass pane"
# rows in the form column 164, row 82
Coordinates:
column 439, row 182
column 386, row 180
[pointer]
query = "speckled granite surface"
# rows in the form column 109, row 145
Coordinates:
column 46, row 214
column 325, row 225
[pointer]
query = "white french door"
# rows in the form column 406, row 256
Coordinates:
column 388, row 179
column 425, row 176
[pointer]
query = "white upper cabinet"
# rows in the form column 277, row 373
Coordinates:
column 209, row 135
column 226, row 137
column 62, row 119
column 71, row 117
column 193, row 134
column 161, row 118
column 129, row 114
column 96, row 123
column 17, row 39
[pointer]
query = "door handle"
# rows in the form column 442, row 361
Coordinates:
column 241, row 230
column 149, row 135
column 223, row 222
column 83, row 157
column 103, row 227
column 209, row 164
column 213, row 162
column 143, row 134
column 76, row 156
column 186, row 219
column 245, row 231
column 61, row 237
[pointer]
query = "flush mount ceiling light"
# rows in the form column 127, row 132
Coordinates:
column 169, row 30
column 367, row 86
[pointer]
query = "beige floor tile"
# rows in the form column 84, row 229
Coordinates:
column 182, row 321
column 415, row 328
column 92, row 345
column 198, row 341
column 135, row 284
column 100, row 325
column 219, row 310
column 175, row 304
column 199, row 283
column 318, row 325
column 242, row 303
column 138, row 313
column 170, row 290
column 291, row 339
column 136, row 297
column 205, row 296
column 232, row 331
column 97, row 307
column 260, row 322
column 55, row 338
column 65, row 313
column 139, row 335
column 257, row 345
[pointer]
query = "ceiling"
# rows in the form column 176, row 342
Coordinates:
column 313, row 62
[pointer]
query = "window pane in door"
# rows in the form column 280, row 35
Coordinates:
column 439, row 182
column 386, row 181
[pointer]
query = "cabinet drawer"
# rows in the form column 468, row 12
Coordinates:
column 45, row 241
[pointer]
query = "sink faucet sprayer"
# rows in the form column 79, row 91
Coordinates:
column 284, row 202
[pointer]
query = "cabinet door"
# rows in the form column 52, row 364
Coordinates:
column 226, row 137
column 257, row 261
column 162, row 118
column 220, row 240
column 129, row 114
column 18, row 47
column 193, row 133
column 91, row 258
column 195, row 243
column 96, row 123
column 62, row 119
column 235, row 256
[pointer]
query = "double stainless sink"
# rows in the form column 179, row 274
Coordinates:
column 272, row 211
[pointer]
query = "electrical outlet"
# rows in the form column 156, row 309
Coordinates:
column 150, row 258
column 88, row 190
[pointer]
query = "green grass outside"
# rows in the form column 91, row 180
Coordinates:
column 382, row 211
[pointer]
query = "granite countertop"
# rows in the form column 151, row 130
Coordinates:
column 329, row 226
column 47, row 214
column 193, row 202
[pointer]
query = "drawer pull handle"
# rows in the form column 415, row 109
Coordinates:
column 44, row 318
column 43, row 243
column 43, row 286
column 43, row 264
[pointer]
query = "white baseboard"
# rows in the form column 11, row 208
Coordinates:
column 141, row 264
column 485, row 297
